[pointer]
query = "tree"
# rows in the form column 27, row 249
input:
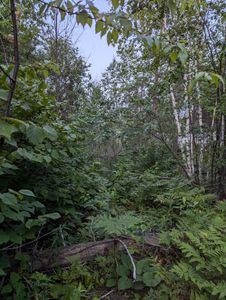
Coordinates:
column 70, row 83
column 183, row 56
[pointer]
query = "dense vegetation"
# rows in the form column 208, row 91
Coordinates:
column 140, row 153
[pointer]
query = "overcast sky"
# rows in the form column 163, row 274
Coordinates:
column 94, row 48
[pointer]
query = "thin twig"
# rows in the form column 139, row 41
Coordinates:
column 131, row 258
column 62, row 236
column 71, row 13
column 2, row 282
column 108, row 293
column 31, row 242
column 39, row 234
column 4, row 72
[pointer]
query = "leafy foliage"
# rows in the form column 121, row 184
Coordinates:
column 201, row 267
column 142, row 151
column 116, row 226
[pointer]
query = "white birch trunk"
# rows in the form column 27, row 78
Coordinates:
column 179, row 127
column 211, row 138
column 201, row 137
column 189, row 142
column 222, row 131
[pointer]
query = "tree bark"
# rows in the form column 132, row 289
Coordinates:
column 13, row 79
column 179, row 130
column 86, row 251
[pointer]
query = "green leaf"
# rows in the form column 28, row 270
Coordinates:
column 103, row 31
column 111, row 282
column 89, row 21
column 3, row 94
column 14, row 278
column 2, row 273
column 115, row 35
column 82, row 18
column 38, row 204
column 151, row 279
column 126, row 23
column 2, row 218
column 18, row 123
column 124, row 283
column 51, row 132
column 109, row 38
column 29, row 155
column 4, row 237
column 70, row 6
column 41, row 10
column 15, row 237
column 123, row 270
column 54, row 67
column 53, row 216
column 99, row 26
column 183, row 56
column 41, row 220
column 211, row 77
column 34, row 222
column 4, row 261
column 35, row 134
column 6, row 129
column 173, row 56
column 9, row 166
column 94, row 10
column 143, row 265
column 8, row 199
column 216, row 79
column 27, row 193
column 62, row 15
column 115, row 3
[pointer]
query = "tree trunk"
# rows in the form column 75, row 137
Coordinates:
column 13, row 79
column 87, row 251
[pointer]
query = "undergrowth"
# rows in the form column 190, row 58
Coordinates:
column 189, row 262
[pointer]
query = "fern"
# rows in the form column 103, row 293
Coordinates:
column 113, row 226
column 220, row 290
column 201, row 241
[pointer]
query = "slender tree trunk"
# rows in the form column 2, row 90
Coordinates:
column 180, row 140
column 13, row 79
column 222, row 155
column 201, row 135
column 56, row 54
column 189, row 138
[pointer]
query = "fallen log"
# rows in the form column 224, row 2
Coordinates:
column 63, row 257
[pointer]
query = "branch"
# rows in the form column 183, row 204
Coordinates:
column 9, row 248
column 205, row 27
column 108, row 294
column 71, row 13
column 4, row 72
column 162, row 139
column 64, row 256
column 131, row 259
column 16, row 58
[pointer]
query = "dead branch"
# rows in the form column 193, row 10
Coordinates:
column 86, row 251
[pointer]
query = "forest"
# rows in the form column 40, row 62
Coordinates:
column 113, row 188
